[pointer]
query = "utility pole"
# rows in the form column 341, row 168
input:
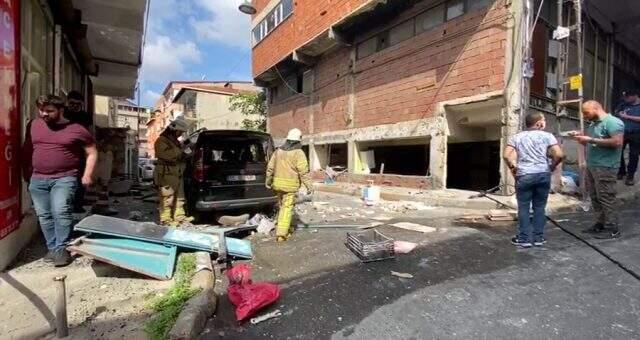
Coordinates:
column 527, row 59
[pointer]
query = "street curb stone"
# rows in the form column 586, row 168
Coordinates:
column 199, row 308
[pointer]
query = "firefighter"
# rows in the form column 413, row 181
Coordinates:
column 168, row 172
column 287, row 172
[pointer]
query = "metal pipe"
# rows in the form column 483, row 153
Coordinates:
column 62, row 327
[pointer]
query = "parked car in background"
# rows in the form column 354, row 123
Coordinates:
column 145, row 168
column 228, row 171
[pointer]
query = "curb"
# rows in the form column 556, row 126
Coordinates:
column 193, row 317
column 623, row 196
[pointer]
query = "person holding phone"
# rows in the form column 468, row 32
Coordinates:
column 532, row 155
column 604, row 139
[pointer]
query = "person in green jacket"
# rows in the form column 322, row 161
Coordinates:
column 287, row 172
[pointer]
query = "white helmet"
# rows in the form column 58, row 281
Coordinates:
column 294, row 135
column 179, row 124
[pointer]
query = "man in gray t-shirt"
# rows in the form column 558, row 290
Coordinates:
column 532, row 155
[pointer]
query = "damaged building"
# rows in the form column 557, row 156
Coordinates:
column 421, row 93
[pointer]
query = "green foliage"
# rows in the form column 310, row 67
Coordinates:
column 254, row 107
column 168, row 307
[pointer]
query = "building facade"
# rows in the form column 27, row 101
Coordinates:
column 209, row 107
column 53, row 47
column 173, row 101
column 414, row 93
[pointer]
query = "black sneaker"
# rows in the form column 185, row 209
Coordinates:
column 610, row 234
column 595, row 229
column 62, row 258
column 51, row 255
column 520, row 244
column 629, row 181
column 540, row 242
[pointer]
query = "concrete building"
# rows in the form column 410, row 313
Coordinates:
column 208, row 107
column 420, row 93
column 55, row 47
column 169, row 103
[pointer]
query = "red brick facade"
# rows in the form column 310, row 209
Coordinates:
column 462, row 57
column 310, row 18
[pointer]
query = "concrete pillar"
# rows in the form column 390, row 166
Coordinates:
column 353, row 155
column 438, row 160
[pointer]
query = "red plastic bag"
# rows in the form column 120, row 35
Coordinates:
column 249, row 297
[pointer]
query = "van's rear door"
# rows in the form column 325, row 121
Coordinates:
column 235, row 166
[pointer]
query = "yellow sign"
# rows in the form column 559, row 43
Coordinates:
column 576, row 82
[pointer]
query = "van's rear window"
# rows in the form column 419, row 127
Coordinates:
column 236, row 150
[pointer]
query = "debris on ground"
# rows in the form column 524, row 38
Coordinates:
column 371, row 194
column 402, row 275
column 414, row 227
column 233, row 220
column 248, row 297
column 136, row 215
column 403, row 247
column 121, row 187
column 266, row 226
column 383, row 218
column 370, row 245
column 276, row 313
column 502, row 215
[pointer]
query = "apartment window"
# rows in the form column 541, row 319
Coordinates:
column 473, row 5
column 307, row 82
column 277, row 15
column 401, row 32
column 455, row 9
column 430, row 19
column 367, row 48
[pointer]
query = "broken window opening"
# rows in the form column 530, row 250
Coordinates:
column 474, row 165
column 404, row 160
column 338, row 155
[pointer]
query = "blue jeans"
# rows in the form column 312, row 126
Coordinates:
column 532, row 191
column 53, row 200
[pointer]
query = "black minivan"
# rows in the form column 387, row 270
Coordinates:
column 228, row 171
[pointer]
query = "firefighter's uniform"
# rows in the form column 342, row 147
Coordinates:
column 168, row 176
column 287, row 171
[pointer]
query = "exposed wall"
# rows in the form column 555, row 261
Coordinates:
column 212, row 112
column 310, row 19
column 461, row 58
column 101, row 107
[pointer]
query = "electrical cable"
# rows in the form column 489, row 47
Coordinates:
column 569, row 232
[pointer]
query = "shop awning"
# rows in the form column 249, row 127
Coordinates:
column 115, row 33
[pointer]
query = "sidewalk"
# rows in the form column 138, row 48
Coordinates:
column 455, row 198
column 103, row 301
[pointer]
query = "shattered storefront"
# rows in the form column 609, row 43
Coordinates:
column 53, row 47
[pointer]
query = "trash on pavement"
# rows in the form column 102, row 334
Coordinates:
column 414, row 227
column 233, row 220
column 266, row 226
column 258, row 319
column 249, row 297
column 150, row 259
column 403, row 247
column 569, row 186
column 382, row 218
column 121, row 187
column 402, row 275
column 371, row 194
column 151, row 232
column 502, row 215
column 370, row 245
column 136, row 215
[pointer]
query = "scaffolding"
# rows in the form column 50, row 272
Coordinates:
column 568, row 82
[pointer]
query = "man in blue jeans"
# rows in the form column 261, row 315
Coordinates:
column 532, row 155
column 53, row 151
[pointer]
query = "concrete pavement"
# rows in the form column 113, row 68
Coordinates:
column 468, row 283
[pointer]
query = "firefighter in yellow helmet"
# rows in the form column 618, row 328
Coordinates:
column 168, row 173
column 287, row 172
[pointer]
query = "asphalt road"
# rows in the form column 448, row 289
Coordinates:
column 469, row 282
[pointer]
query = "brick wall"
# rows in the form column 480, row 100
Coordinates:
column 462, row 57
column 380, row 180
column 310, row 18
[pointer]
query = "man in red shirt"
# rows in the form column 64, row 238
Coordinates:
column 54, row 150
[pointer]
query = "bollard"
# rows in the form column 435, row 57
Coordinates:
column 62, row 328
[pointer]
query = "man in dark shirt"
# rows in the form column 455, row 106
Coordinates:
column 74, row 112
column 630, row 115
column 54, row 149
